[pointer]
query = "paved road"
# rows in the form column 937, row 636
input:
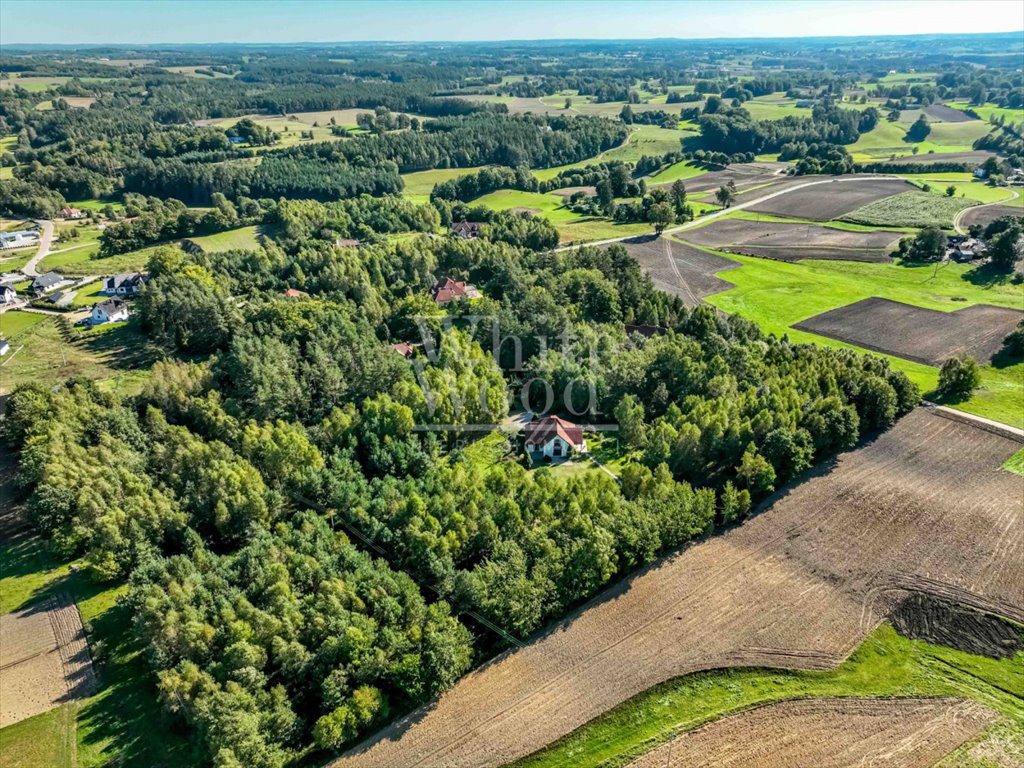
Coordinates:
column 44, row 249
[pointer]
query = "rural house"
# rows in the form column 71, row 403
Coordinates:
column 109, row 311
column 127, row 284
column 295, row 293
column 48, row 282
column 7, row 295
column 71, row 213
column 446, row 290
column 554, row 437
column 404, row 348
column 470, row 230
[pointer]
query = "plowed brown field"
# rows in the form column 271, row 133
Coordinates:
column 830, row 201
column 679, row 269
column 828, row 733
column 924, row 507
column 925, row 336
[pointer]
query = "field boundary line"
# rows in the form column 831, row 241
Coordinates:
column 989, row 425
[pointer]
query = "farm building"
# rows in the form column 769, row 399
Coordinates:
column 446, row 290
column 7, row 295
column 554, row 437
column 470, row 230
column 19, row 239
column 51, row 281
column 127, row 284
column 71, row 213
column 109, row 311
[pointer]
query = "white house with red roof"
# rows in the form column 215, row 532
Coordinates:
column 554, row 437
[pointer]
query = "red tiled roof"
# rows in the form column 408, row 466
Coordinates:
column 541, row 431
column 295, row 294
column 447, row 290
column 404, row 348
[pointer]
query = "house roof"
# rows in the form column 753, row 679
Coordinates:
column 446, row 290
column 128, row 278
column 466, row 228
column 294, row 293
column 404, row 348
column 110, row 306
column 47, row 280
column 345, row 243
column 543, row 430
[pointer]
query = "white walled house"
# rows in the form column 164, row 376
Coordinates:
column 109, row 311
column 7, row 295
column 554, row 438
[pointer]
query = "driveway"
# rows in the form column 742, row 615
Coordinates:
column 44, row 248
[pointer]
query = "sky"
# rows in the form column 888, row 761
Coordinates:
column 273, row 21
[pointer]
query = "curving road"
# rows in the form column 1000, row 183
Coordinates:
column 44, row 248
column 960, row 215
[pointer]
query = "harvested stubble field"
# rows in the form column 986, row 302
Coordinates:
column 791, row 241
column 985, row 214
column 44, row 659
column 923, row 507
column 935, row 113
column 825, row 202
column 974, row 156
column 925, row 336
column 679, row 269
column 828, row 733
column 743, row 175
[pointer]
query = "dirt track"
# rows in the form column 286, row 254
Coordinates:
column 985, row 214
column 828, row 733
column 925, row 336
column 925, row 507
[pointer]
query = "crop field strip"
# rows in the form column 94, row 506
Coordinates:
column 828, row 733
column 923, row 507
column 823, row 204
column 926, row 336
column 679, row 269
column 791, row 241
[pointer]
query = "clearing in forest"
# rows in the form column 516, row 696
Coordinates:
column 798, row 586
column 828, row 733
column 925, row 336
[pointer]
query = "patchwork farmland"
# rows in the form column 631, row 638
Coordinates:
column 797, row 586
column 923, row 335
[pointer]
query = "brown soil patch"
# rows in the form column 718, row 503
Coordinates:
column 679, row 269
column 44, row 659
column 922, row 508
column 828, row 733
column 936, row 113
column 925, row 336
column 524, row 209
column 823, row 202
column 570, row 191
column 790, row 241
column 986, row 214
column 941, row 622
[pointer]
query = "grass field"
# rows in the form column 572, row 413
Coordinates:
column 419, row 185
column 988, row 111
column 79, row 262
column 1015, row 463
column 88, row 294
column 887, row 139
column 642, row 140
column 14, row 322
column 683, row 170
column 910, row 209
column 241, row 239
column 886, row 664
column 47, row 352
column 777, row 295
column 571, row 226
